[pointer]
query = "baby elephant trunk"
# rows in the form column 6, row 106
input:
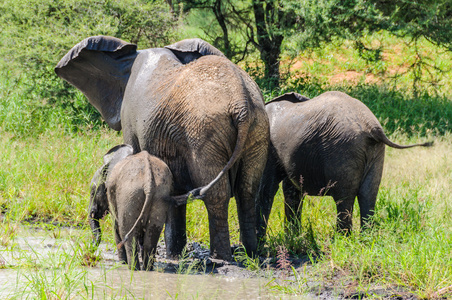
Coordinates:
column 95, row 229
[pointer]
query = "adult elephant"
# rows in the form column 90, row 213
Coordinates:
column 193, row 108
column 329, row 145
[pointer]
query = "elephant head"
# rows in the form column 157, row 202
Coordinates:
column 98, row 206
column 100, row 66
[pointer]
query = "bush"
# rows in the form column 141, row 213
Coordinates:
column 398, row 111
column 35, row 34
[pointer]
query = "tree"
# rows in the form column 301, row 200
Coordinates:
column 266, row 24
column 259, row 25
column 35, row 34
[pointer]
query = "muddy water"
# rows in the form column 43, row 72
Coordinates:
column 43, row 260
column 157, row 285
column 121, row 283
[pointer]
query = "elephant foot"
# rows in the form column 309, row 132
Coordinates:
column 216, row 263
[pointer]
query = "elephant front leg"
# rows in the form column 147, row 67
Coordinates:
column 175, row 231
column 293, row 205
column 268, row 188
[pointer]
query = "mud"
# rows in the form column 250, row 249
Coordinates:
column 33, row 253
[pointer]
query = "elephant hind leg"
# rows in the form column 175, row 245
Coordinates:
column 367, row 195
column 121, row 251
column 217, row 201
column 245, row 191
column 132, row 250
column 150, row 241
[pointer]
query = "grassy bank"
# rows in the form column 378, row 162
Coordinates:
column 49, row 152
column 47, row 179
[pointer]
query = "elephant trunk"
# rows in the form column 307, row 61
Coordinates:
column 95, row 228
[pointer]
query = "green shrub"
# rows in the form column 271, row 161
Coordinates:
column 35, row 35
column 398, row 111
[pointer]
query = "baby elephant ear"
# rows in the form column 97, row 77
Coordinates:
column 118, row 152
column 191, row 49
column 100, row 66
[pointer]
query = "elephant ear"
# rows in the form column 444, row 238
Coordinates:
column 117, row 153
column 191, row 49
column 100, row 67
column 292, row 97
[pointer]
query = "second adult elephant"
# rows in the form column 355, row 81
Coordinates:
column 193, row 108
column 331, row 144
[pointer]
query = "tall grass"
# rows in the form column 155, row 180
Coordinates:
column 49, row 153
column 47, row 177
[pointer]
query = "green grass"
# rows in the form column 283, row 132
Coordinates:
column 47, row 178
column 48, row 155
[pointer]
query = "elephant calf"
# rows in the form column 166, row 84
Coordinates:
column 137, row 190
column 329, row 145
column 98, row 206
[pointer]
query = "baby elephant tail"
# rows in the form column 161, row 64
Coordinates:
column 175, row 200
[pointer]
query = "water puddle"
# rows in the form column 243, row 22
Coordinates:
column 38, row 262
column 157, row 285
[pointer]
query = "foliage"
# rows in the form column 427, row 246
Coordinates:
column 243, row 27
column 398, row 111
column 35, row 34
column 276, row 27
column 328, row 21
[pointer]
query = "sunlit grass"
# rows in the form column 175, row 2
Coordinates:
column 47, row 178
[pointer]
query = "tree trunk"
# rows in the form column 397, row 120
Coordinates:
column 221, row 19
column 269, row 41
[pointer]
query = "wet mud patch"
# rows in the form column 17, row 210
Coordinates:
column 42, row 261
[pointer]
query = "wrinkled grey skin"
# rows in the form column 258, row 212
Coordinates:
column 98, row 206
column 193, row 108
column 329, row 145
column 138, row 191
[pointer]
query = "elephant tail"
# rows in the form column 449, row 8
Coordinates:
column 243, row 123
column 146, row 205
column 380, row 136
